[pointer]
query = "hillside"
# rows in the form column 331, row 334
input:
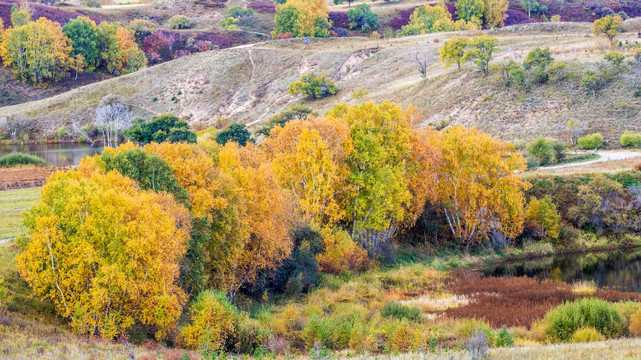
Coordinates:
column 249, row 83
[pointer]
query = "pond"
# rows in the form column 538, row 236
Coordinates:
column 616, row 270
column 54, row 154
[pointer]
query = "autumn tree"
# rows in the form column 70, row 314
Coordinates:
column 380, row 170
column 481, row 50
column 428, row 19
column 260, row 240
column 104, row 252
column 453, row 51
column 313, row 86
column 542, row 218
column 609, row 26
column 310, row 161
column 37, row 52
column 85, row 39
column 20, row 16
column 470, row 10
column 302, row 18
column 119, row 52
column 495, row 12
column 479, row 189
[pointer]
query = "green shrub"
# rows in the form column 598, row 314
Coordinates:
column 251, row 335
column 179, row 22
column 19, row 158
column 546, row 151
column 165, row 127
column 586, row 334
column 630, row 139
column 312, row 86
column 504, row 338
column 562, row 321
column 92, row 3
column 627, row 308
column 592, row 141
column 399, row 311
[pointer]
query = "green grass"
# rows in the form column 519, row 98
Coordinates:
column 12, row 204
column 579, row 158
column 18, row 158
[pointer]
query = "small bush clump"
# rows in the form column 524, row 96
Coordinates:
column 214, row 320
column 630, row 139
column 591, row 142
column 635, row 324
column 19, row 158
column 504, row 338
column 562, row 321
column 399, row 311
column 178, row 22
column 313, row 86
column 586, row 334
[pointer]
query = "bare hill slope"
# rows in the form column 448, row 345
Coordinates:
column 249, row 83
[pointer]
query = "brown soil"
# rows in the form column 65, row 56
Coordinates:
column 20, row 178
column 515, row 301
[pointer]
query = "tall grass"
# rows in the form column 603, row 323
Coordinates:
column 18, row 158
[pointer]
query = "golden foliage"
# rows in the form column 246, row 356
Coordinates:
column 309, row 160
column 106, row 253
column 341, row 253
column 213, row 320
column 478, row 185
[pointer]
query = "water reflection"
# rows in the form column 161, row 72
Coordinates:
column 54, row 154
column 619, row 270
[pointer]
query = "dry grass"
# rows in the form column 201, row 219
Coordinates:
column 584, row 288
column 249, row 84
column 595, row 168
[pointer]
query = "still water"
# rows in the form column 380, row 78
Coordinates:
column 54, row 154
column 618, row 270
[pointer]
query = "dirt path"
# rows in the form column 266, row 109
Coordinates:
column 605, row 156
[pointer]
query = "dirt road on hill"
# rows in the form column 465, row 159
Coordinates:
column 605, row 156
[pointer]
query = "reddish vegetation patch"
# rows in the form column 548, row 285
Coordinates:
column 38, row 11
column 402, row 19
column 165, row 45
column 23, row 178
column 517, row 17
column 339, row 19
column 515, row 301
column 262, row 6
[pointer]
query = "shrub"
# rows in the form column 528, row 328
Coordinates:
column 235, row 132
column 251, row 335
column 615, row 58
column 586, row 334
column 546, row 151
column 359, row 93
column 213, row 320
column 399, row 311
column 555, row 18
column 592, row 141
column 296, row 112
column 178, row 22
column 504, row 338
column 609, row 26
column 562, row 321
column 628, row 308
column 630, row 139
column 312, row 86
column 19, row 158
column 635, row 324
column 92, row 3
column 341, row 253
column 538, row 58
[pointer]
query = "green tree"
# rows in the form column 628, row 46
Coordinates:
column 481, row 51
column 313, row 86
column 470, row 10
column 453, row 51
column 236, row 132
column 361, row 17
column 166, row 127
column 592, row 82
column 85, row 40
column 609, row 26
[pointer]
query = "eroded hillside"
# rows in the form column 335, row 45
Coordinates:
column 249, row 83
